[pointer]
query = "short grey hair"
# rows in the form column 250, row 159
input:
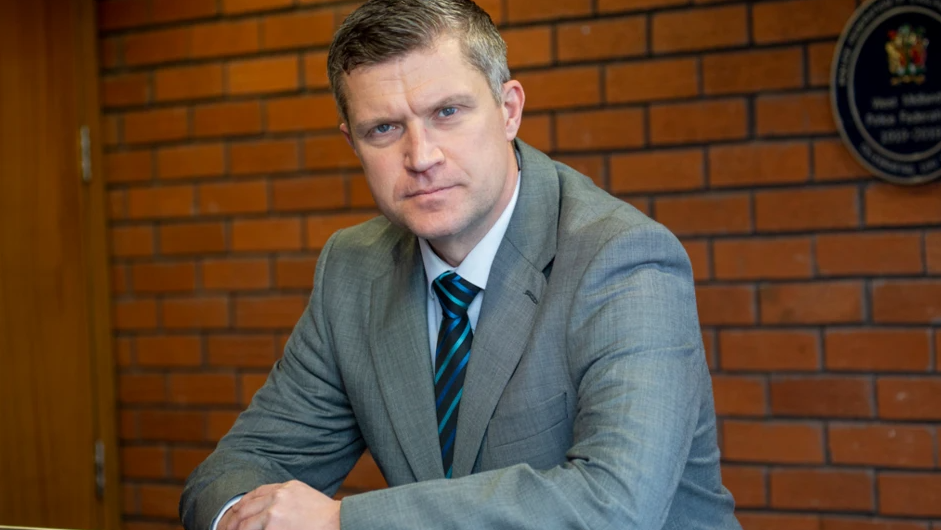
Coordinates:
column 381, row 30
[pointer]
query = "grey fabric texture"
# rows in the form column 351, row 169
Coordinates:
column 587, row 400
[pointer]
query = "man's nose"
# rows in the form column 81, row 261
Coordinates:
column 421, row 153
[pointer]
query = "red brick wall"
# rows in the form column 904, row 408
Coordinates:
column 819, row 287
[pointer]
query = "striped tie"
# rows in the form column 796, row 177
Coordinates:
column 454, row 344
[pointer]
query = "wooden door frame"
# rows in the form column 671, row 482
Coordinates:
column 97, row 269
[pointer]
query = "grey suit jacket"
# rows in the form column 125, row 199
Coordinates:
column 587, row 401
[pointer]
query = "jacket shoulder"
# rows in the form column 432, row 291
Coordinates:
column 368, row 246
column 589, row 211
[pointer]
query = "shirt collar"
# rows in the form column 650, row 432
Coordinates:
column 476, row 266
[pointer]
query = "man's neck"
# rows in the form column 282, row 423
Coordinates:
column 453, row 250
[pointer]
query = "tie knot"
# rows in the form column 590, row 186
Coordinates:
column 454, row 293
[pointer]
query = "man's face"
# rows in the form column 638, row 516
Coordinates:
column 434, row 144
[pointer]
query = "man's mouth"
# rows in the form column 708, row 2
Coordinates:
column 429, row 191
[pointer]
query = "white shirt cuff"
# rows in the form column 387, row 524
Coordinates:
column 232, row 501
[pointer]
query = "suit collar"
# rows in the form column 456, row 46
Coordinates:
column 534, row 226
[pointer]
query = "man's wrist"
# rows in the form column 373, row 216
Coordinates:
column 225, row 508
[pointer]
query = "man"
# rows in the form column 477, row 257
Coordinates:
column 516, row 348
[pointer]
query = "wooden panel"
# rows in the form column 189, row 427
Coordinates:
column 47, row 409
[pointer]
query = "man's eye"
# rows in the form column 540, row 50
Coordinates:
column 447, row 111
column 382, row 129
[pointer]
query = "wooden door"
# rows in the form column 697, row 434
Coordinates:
column 56, row 397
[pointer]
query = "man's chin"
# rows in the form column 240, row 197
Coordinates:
column 433, row 234
column 432, row 227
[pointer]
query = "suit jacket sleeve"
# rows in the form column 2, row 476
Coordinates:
column 635, row 348
column 298, row 426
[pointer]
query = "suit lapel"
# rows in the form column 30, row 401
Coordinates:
column 506, row 317
column 508, row 311
column 399, row 340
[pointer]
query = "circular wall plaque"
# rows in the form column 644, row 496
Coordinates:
column 885, row 88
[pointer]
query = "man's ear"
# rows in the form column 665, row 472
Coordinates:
column 349, row 138
column 513, row 100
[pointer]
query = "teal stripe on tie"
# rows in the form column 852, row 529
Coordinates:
column 455, row 300
column 447, row 386
column 447, row 445
column 457, row 284
column 454, row 348
column 454, row 403
column 451, row 316
column 446, row 333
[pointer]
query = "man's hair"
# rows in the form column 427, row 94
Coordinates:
column 381, row 30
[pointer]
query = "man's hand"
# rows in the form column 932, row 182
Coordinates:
column 288, row 506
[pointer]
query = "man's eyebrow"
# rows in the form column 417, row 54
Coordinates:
column 454, row 99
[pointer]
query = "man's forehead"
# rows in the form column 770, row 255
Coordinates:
column 424, row 75
column 413, row 67
column 395, row 74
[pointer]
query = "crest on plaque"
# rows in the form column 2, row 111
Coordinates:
column 907, row 52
